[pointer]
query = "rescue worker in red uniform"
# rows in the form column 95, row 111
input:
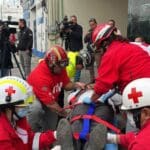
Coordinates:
column 47, row 80
column 122, row 62
column 137, row 105
column 15, row 132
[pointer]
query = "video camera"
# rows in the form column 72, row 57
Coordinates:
column 5, row 30
column 65, row 24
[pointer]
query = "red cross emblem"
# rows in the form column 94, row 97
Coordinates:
column 135, row 95
column 10, row 91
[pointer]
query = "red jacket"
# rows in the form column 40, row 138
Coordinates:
column 141, row 141
column 22, row 138
column 46, row 85
column 122, row 63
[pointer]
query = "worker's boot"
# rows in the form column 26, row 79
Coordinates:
column 64, row 135
column 97, row 138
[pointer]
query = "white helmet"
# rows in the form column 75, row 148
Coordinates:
column 136, row 94
column 14, row 90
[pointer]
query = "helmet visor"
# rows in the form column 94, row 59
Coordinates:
column 63, row 63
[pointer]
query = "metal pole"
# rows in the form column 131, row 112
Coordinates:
column 17, row 63
column 1, row 9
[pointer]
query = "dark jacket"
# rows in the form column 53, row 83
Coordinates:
column 25, row 39
column 75, row 38
column 88, row 40
column 5, row 55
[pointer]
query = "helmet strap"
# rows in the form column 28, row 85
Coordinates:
column 107, row 42
column 136, row 117
column 50, row 66
column 13, row 120
column 52, row 69
column 103, row 46
column 15, row 115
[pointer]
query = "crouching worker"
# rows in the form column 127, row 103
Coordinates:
column 15, row 133
column 47, row 80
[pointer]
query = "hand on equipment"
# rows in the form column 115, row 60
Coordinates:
column 57, row 109
column 62, row 113
column 90, row 86
column 87, row 100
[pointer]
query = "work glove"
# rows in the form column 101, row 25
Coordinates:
column 115, row 100
column 57, row 147
column 87, row 100
column 106, row 96
column 80, row 85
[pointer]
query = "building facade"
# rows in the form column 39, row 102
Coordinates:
column 102, row 10
column 42, row 17
column 45, row 16
column 10, row 9
column 139, row 19
column 38, row 23
column 35, row 13
column 26, row 10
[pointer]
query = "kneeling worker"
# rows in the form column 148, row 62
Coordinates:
column 15, row 132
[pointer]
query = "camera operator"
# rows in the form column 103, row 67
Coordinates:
column 25, row 46
column 74, row 45
column 7, row 45
column 75, row 35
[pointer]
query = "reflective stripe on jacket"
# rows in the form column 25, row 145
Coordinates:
column 22, row 138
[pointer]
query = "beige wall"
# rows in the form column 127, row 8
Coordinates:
column 102, row 10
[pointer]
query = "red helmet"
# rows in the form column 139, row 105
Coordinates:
column 101, row 33
column 56, row 55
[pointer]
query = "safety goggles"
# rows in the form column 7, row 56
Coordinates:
column 63, row 63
